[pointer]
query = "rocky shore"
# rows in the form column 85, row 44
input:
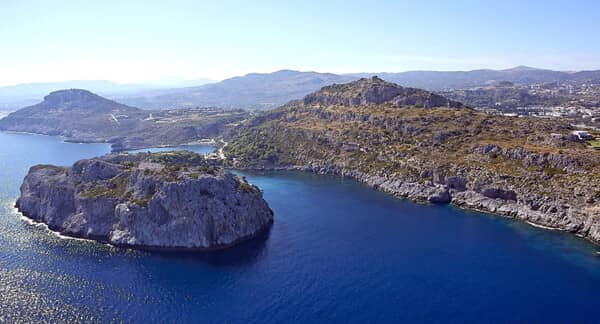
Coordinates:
column 456, row 191
column 173, row 200
column 530, row 169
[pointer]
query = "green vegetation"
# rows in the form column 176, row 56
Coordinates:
column 115, row 188
column 245, row 187
column 177, row 164
column 47, row 166
column 129, row 164
column 173, row 166
column 177, row 158
column 595, row 144
column 142, row 202
column 266, row 145
column 552, row 171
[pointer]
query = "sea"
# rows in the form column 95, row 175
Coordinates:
column 338, row 252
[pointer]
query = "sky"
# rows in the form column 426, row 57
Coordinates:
column 137, row 41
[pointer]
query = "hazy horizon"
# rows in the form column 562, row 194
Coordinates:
column 137, row 42
column 167, row 81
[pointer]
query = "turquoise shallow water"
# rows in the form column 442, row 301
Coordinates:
column 338, row 252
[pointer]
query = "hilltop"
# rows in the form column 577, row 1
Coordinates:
column 376, row 91
column 527, row 168
column 82, row 116
column 72, row 113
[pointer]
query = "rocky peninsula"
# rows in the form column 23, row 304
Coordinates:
column 149, row 200
column 82, row 116
column 420, row 146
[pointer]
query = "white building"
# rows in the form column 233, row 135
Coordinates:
column 582, row 135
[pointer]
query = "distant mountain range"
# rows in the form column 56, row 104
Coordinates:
column 21, row 95
column 441, row 80
column 255, row 91
column 259, row 91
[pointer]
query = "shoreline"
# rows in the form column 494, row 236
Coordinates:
column 65, row 139
column 222, row 144
column 425, row 202
column 62, row 236
column 549, row 228
column 58, row 234
column 105, row 240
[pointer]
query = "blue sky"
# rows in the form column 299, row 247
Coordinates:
column 130, row 41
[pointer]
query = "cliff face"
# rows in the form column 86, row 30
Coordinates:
column 527, row 168
column 165, row 200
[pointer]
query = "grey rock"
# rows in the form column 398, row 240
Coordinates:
column 498, row 193
column 456, row 183
column 127, row 200
column 440, row 196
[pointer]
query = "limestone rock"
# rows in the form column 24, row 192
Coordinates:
column 164, row 200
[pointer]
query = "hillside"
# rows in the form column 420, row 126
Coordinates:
column 527, row 168
column 82, row 116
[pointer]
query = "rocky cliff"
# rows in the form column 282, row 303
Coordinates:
column 162, row 200
column 526, row 168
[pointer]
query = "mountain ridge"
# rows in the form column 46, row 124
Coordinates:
column 253, row 91
column 262, row 91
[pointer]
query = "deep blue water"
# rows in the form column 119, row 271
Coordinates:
column 337, row 252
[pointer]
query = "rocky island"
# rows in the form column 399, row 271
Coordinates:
column 149, row 200
column 422, row 146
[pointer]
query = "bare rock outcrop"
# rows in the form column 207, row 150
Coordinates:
column 160, row 200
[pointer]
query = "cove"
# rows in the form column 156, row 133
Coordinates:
column 337, row 252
